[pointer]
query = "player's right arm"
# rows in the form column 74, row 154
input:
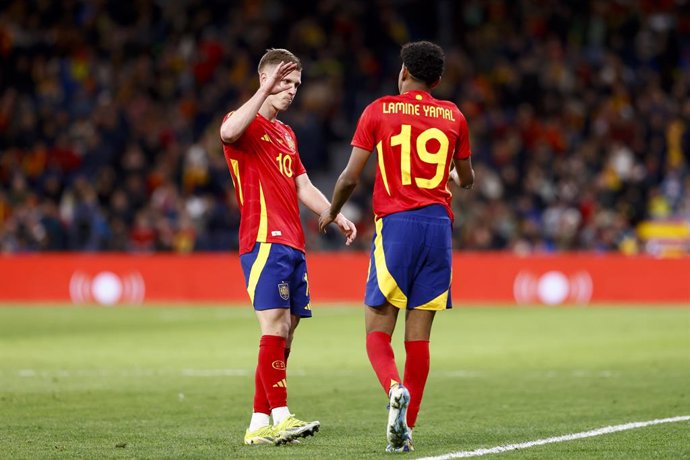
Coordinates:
column 362, row 145
column 271, row 82
column 346, row 183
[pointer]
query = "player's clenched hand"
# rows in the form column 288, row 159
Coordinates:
column 347, row 228
column 324, row 219
column 274, row 82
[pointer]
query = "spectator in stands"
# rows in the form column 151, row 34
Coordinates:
column 580, row 115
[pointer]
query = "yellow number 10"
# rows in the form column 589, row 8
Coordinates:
column 284, row 164
column 438, row 158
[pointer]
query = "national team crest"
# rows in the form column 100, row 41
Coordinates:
column 284, row 290
column 289, row 142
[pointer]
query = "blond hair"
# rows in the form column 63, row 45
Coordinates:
column 275, row 56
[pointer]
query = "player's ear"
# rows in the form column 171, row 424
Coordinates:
column 405, row 73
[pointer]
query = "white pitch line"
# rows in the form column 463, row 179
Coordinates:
column 567, row 437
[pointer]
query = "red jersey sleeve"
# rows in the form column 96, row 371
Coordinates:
column 299, row 167
column 365, row 133
column 462, row 147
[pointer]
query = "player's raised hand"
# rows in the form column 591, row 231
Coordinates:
column 275, row 82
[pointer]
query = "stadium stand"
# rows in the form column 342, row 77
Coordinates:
column 109, row 115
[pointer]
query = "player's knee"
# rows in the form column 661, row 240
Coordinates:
column 276, row 325
column 417, row 336
column 285, row 329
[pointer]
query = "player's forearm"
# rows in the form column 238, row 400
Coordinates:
column 313, row 199
column 237, row 123
column 343, row 189
column 310, row 196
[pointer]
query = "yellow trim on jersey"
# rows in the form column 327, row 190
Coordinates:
column 387, row 284
column 238, row 184
column 382, row 166
column 439, row 303
column 263, row 219
column 257, row 268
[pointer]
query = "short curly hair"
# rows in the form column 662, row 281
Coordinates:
column 275, row 56
column 424, row 60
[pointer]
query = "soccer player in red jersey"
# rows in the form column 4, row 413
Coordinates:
column 269, row 179
column 417, row 139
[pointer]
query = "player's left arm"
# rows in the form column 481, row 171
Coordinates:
column 318, row 203
column 346, row 183
column 463, row 173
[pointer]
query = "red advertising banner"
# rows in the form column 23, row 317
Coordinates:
column 111, row 279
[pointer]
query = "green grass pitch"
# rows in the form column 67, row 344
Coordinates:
column 178, row 382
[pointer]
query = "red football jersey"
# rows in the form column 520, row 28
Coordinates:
column 414, row 136
column 264, row 163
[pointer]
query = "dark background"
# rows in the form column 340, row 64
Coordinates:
column 579, row 114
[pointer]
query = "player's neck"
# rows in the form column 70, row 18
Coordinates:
column 414, row 86
column 268, row 111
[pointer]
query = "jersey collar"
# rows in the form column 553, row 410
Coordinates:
column 418, row 92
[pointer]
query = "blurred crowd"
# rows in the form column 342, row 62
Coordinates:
column 579, row 114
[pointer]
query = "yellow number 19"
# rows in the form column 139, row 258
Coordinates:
column 438, row 158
